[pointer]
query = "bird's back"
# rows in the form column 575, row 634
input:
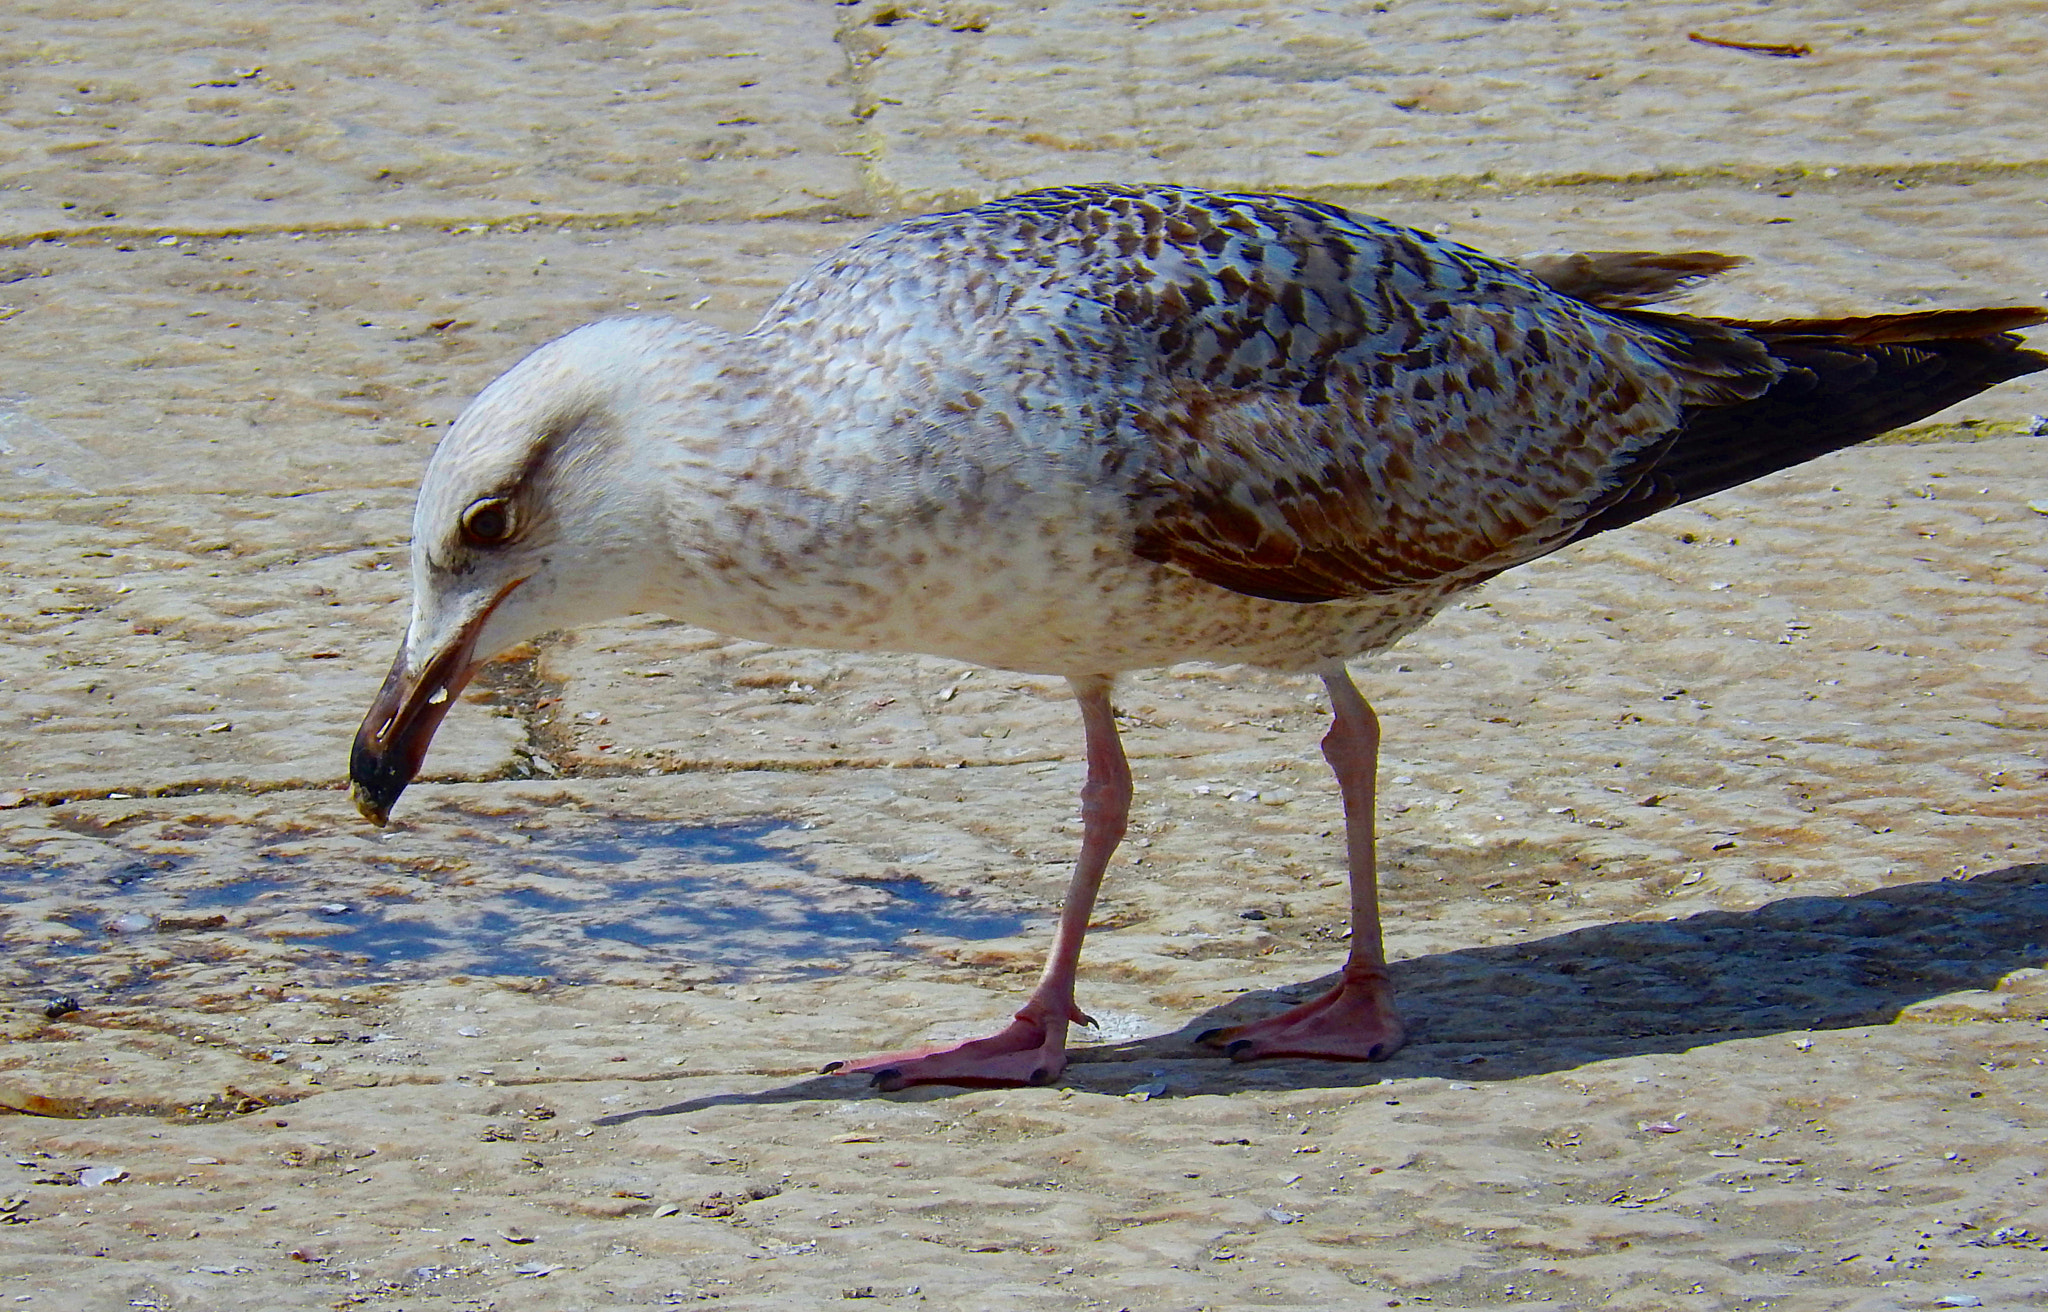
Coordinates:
column 1293, row 403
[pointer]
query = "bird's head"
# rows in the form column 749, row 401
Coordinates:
column 535, row 514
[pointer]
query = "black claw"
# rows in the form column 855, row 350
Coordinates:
column 1207, row 1035
column 1041, row 1076
column 1240, row 1050
column 888, row 1081
column 1378, row 1052
column 829, row 1067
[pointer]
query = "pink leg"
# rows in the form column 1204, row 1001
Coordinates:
column 1033, row 1048
column 1354, row 1021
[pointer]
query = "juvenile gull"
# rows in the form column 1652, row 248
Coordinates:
column 1096, row 429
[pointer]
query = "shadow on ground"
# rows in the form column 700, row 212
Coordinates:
column 1804, row 963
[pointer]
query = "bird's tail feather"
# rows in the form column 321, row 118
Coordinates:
column 1627, row 280
column 1845, row 381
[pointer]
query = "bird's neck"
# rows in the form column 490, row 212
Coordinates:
column 728, row 501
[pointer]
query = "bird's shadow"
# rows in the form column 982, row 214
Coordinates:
column 1616, row 990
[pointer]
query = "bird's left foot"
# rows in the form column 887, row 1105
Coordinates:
column 1028, row 1051
column 1355, row 1021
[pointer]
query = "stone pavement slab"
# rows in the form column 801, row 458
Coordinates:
column 256, row 117
column 964, row 100
column 287, row 364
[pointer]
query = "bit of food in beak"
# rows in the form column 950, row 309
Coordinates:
column 409, row 707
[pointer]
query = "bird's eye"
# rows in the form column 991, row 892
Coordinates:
column 488, row 522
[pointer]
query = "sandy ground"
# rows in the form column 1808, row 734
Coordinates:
column 1714, row 847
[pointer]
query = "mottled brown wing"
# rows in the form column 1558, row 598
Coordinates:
column 1332, row 406
column 1339, row 407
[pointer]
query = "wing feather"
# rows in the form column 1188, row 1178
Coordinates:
column 1307, row 405
column 1341, row 408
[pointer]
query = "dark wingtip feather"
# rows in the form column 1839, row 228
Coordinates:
column 1898, row 329
column 1844, row 381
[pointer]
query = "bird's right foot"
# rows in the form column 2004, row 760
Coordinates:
column 1027, row 1051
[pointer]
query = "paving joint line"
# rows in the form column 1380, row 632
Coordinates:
column 1809, row 177
column 516, row 774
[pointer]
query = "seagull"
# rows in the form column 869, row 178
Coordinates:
column 1094, row 429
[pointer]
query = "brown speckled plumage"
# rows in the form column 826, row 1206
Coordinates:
column 1095, row 429
column 1283, row 400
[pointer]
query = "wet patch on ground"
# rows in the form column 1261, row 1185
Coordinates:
column 113, row 911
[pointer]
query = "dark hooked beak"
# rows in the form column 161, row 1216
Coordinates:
column 409, row 707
